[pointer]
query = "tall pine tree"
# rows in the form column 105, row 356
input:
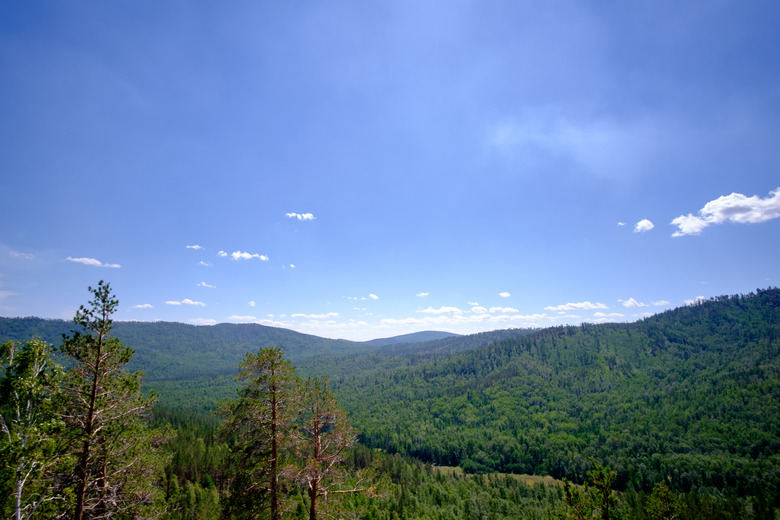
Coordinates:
column 116, row 468
column 260, row 421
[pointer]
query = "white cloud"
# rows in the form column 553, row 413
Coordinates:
column 315, row 316
column 660, row 303
column 473, row 304
column 251, row 303
column 632, row 303
column 301, row 216
column 504, row 294
column 621, row 223
column 643, row 226
column 371, row 296
column 696, row 300
column 423, row 294
column 196, row 247
column 736, row 208
column 610, row 315
column 442, row 310
column 204, row 284
column 203, row 321
column 242, row 318
column 222, row 253
column 577, row 306
column 479, row 310
column 185, row 301
column 25, row 256
column 243, row 255
column 205, row 264
column 503, row 310
column 143, row 306
column 91, row 261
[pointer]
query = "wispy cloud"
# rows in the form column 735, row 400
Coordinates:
column 423, row 294
column 25, row 256
column 205, row 264
column 643, row 226
column 196, row 247
column 6, row 294
column 243, row 255
column 143, row 306
column 577, row 306
column 92, row 262
column 204, row 284
column 736, row 208
column 251, row 303
column 301, row 216
column 185, row 301
column 603, row 146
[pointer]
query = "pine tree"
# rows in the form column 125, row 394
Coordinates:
column 116, row 466
column 324, row 434
column 260, row 421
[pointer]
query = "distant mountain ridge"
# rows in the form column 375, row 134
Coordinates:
column 414, row 337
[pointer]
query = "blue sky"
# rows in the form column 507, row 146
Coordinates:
column 365, row 169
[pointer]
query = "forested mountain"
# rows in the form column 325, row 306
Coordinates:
column 691, row 395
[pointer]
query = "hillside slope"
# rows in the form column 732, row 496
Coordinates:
column 692, row 394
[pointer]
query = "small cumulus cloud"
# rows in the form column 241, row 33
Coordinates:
column 643, row 226
column 301, row 216
column 204, row 284
column 371, row 296
column 504, row 294
column 442, row 310
column 696, row 300
column 243, row 255
column 632, row 303
column 92, row 261
column 315, row 316
column 222, row 253
column 621, row 224
column 251, row 303
column 185, row 301
column 423, row 294
column 205, row 264
column 736, row 208
column 242, row 318
column 195, row 246
column 503, row 310
column 203, row 321
column 143, row 306
column 478, row 309
column 577, row 306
